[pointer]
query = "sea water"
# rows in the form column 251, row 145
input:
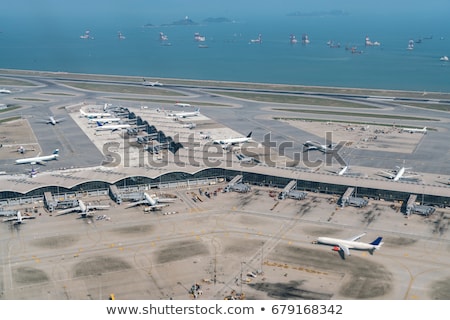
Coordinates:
column 229, row 55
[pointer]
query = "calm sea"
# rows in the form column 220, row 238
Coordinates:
column 229, row 55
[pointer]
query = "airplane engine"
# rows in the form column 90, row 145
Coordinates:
column 336, row 248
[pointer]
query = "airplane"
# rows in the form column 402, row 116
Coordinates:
column 39, row 159
column 414, row 130
column 53, row 121
column 83, row 209
column 226, row 143
column 152, row 83
column 313, row 145
column 17, row 217
column 5, row 91
column 94, row 114
column 112, row 127
column 23, row 150
column 186, row 114
column 104, row 120
column 399, row 174
column 344, row 245
column 179, row 104
column 245, row 159
column 154, row 203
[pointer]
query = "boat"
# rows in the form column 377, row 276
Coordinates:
column 410, row 45
column 198, row 37
column 293, row 39
column 444, row 58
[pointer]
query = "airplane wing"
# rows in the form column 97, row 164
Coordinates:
column 355, row 238
column 388, row 174
column 165, row 200
column 97, row 207
column 136, row 203
column 69, row 210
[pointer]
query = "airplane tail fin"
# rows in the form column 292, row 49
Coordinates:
column 99, row 123
column 56, row 151
column 250, row 134
column 377, row 242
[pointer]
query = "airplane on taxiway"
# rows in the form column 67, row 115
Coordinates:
column 313, row 145
column 415, row 130
column 39, row 159
column 84, row 210
column 344, row 245
column 227, row 143
column 53, row 121
column 152, row 83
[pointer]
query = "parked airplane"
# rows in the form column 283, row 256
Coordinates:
column 313, row 145
column 52, row 120
column 22, row 149
column 112, row 127
column 344, row 245
column 94, row 114
column 226, row 143
column 104, row 120
column 151, row 83
column 186, row 114
column 83, row 209
column 245, row 159
column 399, row 174
column 17, row 217
column 414, row 130
column 154, row 203
column 39, row 159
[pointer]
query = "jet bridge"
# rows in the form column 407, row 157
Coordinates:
column 236, row 185
column 290, row 192
column 413, row 207
column 348, row 199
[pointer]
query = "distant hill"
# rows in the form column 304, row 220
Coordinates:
column 183, row 22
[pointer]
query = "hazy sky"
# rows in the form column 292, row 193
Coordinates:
column 200, row 9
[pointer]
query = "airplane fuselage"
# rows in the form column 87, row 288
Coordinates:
column 35, row 160
column 350, row 244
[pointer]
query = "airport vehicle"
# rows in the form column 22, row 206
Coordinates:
column 153, row 202
column 313, row 145
column 83, row 209
column 245, row 159
column 226, row 143
column 152, row 83
column 186, row 114
column 94, row 114
column 53, row 121
column 415, row 130
column 16, row 216
column 104, row 120
column 344, row 245
column 39, row 159
column 399, row 174
column 113, row 127
column 5, row 91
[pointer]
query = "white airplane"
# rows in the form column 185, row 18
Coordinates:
column 83, row 209
column 186, row 114
column 104, row 120
column 313, row 145
column 226, row 143
column 16, row 217
column 5, row 91
column 344, row 245
column 399, row 174
column 245, row 159
column 22, row 149
column 112, row 127
column 52, row 120
column 152, row 83
column 179, row 104
column 153, row 202
column 39, row 160
column 94, row 114
column 415, row 130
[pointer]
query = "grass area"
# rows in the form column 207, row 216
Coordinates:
column 122, row 89
column 10, row 119
column 32, row 99
column 10, row 108
column 348, row 122
column 355, row 114
column 198, row 104
column 430, row 106
column 58, row 94
column 15, row 82
column 293, row 99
